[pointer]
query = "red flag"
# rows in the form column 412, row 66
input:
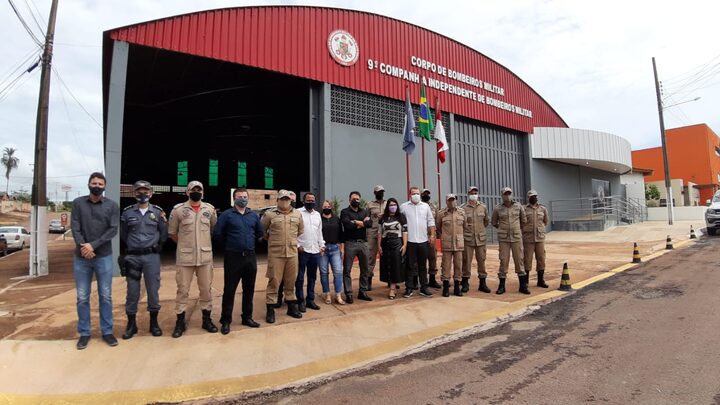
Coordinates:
column 442, row 143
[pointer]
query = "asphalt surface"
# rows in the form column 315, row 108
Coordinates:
column 648, row 336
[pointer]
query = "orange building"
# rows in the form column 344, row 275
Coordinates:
column 694, row 156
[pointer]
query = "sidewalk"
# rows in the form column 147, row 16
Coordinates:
column 39, row 362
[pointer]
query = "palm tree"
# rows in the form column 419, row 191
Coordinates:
column 10, row 162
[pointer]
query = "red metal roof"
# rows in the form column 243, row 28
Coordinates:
column 294, row 40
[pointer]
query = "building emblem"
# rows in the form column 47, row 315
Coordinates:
column 343, row 47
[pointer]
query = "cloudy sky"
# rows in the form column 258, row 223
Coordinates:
column 590, row 60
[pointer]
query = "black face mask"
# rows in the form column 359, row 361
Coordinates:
column 327, row 211
column 354, row 203
column 425, row 198
column 309, row 206
column 96, row 191
column 196, row 196
column 379, row 195
column 142, row 198
column 292, row 204
column 533, row 200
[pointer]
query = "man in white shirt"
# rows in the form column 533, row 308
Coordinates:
column 420, row 222
column 311, row 246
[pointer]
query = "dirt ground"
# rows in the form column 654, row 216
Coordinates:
column 44, row 308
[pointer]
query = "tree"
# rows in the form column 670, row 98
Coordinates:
column 11, row 163
column 652, row 192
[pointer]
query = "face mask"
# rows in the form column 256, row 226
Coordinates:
column 425, row 198
column 292, row 204
column 506, row 197
column 354, row 203
column 327, row 211
column 309, row 206
column 392, row 209
column 196, row 196
column 96, row 191
column 415, row 198
column 241, row 202
column 451, row 204
column 142, row 198
column 379, row 195
column 473, row 197
column 284, row 205
column 533, row 200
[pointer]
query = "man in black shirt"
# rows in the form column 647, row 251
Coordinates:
column 355, row 222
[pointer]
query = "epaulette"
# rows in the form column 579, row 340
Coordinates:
column 157, row 206
column 128, row 207
column 209, row 205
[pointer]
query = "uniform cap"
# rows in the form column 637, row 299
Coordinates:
column 142, row 184
column 425, row 190
column 505, row 190
column 194, row 184
column 283, row 194
column 378, row 188
column 473, row 188
column 532, row 193
column 451, row 196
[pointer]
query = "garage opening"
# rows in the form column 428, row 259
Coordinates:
column 227, row 125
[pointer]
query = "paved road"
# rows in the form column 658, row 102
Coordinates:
column 648, row 336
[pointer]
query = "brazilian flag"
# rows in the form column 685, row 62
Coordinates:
column 425, row 121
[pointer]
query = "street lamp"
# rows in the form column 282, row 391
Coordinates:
column 668, row 187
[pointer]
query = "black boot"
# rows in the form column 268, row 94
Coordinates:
column 541, row 279
column 208, row 324
column 446, row 288
column 433, row 283
column 349, row 298
column 458, row 289
column 293, row 310
column 465, row 284
column 131, row 328
column 501, row 287
column 154, row 325
column 270, row 317
column 301, row 307
column 483, row 286
column 179, row 325
column 370, row 283
column 279, row 301
column 363, row 295
column 524, row 284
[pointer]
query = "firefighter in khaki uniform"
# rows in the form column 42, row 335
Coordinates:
column 375, row 210
column 190, row 226
column 450, row 224
column 476, row 220
column 432, row 250
column 509, row 218
column 534, row 237
column 282, row 226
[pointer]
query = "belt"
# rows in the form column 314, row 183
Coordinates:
column 143, row 251
column 358, row 240
column 245, row 253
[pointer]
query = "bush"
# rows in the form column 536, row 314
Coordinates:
column 652, row 192
column 653, row 203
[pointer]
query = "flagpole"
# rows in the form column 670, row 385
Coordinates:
column 437, row 156
column 407, row 173
column 423, row 159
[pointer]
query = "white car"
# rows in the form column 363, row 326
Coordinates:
column 712, row 214
column 56, row 226
column 17, row 237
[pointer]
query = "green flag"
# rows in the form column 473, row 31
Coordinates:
column 425, row 121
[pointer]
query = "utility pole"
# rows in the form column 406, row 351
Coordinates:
column 666, row 164
column 38, row 246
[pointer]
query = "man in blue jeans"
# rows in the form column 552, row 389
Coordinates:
column 95, row 221
column 311, row 246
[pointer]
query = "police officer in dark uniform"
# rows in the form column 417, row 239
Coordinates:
column 143, row 230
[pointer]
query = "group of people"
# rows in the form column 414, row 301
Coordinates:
column 299, row 241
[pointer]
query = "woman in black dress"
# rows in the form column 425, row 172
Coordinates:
column 392, row 241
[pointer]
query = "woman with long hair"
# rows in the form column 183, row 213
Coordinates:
column 392, row 241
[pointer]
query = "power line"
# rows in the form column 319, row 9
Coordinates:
column 22, row 65
column 32, row 14
column 75, row 98
column 25, row 25
column 72, row 127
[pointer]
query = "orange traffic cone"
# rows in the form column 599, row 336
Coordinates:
column 668, row 244
column 692, row 233
column 636, row 254
column 565, row 279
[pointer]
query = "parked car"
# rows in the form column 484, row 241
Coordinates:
column 3, row 246
column 56, row 226
column 712, row 214
column 17, row 237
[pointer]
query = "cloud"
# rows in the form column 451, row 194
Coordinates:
column 589, row 60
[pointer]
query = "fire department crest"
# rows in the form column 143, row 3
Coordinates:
column 343, row 47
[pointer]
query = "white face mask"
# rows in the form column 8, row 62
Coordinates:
column 473, row 197
column 415, row 198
